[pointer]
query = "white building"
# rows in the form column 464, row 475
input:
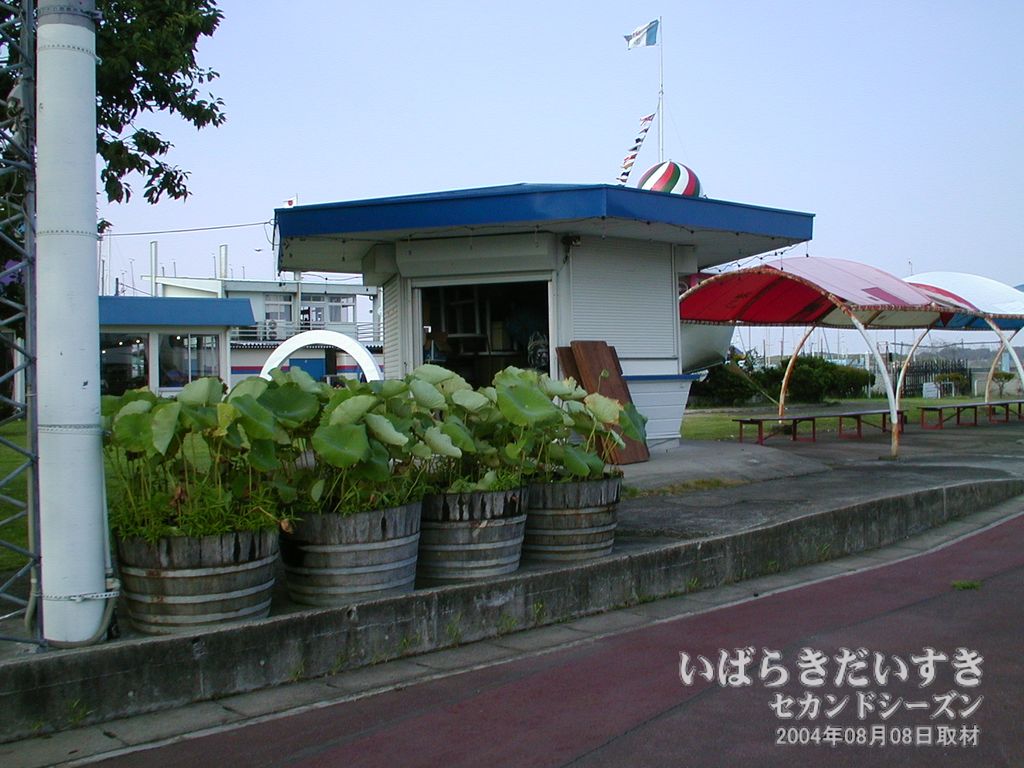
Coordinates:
column 471, row 277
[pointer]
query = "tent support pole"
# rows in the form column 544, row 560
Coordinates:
column 906, row 364
column 789, row 371
column 1009, row 348
column 895, row 425
column 995, row 362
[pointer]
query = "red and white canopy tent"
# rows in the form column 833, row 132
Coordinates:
column 820, row 292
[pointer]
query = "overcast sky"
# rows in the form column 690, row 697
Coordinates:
column 898, row 124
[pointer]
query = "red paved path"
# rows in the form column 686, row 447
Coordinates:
column 619, row 701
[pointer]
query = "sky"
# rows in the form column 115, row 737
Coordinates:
column 898, row 124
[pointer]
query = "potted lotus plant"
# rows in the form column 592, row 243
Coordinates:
column 352, row 473
column 193, row 515
column 573, row 492
column 474, row 518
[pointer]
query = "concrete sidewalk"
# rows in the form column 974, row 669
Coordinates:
column 774, row 509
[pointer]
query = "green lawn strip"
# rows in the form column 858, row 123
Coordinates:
column 719, row 424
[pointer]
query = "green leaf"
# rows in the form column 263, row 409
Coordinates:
column 196, row 451
column 303, row 381
column 456, row 383
column 164, row 425
column 382, row 428
column 258, row 421
column 633, row 423
column 577, row 461
column 604, row 409
column 470, row 400
column 254, row 386
column 351, row 410
column 133, row 432
column 316, row 491
column 341, row 445
column 433, row 374
column 388, row 388
column 376, row 468
column 527, row 407
column 427, row 395
column 263, row 456
column 421, row 451
column 205, row 391
column 565, row 389
column 441, row 444
column 133, row 406
column 291, row 405
column 459, row 434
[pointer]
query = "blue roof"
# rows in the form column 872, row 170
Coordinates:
column 176, row 312
column 598, row 209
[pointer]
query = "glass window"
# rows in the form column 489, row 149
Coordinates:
column 184, row 357
column 123, row 362
column 335, row 310
column 277, row 306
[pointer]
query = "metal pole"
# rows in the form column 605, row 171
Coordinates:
column 71, row 505
column 661, row 93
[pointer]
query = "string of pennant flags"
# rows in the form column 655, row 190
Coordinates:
column 627, row 163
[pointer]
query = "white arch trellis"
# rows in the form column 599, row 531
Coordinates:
column 358, row 352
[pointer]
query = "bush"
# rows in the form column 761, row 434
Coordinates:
column 724, row 385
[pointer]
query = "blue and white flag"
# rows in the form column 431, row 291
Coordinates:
column 643, row 36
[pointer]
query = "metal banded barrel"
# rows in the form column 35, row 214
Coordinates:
column 571, row 521
column 471, row 536
column 183, row 583
column 335, row 560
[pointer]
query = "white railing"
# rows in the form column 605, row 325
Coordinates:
column 279, row 330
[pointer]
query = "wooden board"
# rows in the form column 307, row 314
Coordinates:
column 567, row 362
column 593, row 359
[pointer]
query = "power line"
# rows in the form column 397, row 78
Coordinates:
column 192, row 229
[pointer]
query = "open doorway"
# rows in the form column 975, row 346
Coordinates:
column 478, row 329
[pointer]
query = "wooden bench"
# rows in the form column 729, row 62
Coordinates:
column 957, row 411
column 794, row 421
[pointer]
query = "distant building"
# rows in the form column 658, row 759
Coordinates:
column 284, row 308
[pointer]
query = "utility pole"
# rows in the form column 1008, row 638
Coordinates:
column 73, row 541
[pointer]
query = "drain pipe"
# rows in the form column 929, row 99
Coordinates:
column 75, row 594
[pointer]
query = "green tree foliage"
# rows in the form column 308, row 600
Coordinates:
column 814, row 380
column 147, row 64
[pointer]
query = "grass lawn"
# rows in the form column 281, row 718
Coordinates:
column 15, row 532
column 718, row 424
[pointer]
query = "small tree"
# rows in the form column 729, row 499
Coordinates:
column 1001, row 379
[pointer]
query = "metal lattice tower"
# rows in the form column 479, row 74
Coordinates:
column 19, row 517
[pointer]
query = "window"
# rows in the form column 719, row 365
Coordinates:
column 277, row 306
column 123, row 362
column 184, row 357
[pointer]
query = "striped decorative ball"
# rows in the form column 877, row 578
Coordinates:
column 671, row 177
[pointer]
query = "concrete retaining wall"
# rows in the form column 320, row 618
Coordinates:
column 62, row 689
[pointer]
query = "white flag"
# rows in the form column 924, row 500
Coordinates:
column 643, row 36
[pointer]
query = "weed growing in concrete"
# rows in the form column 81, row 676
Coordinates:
column 453, row 631
column 538, row 612
column 964, row 585
column 298, row 672
column 693, row 584
column 340, row 662
column 507, row 624
column 77, row 712
column 823, row 552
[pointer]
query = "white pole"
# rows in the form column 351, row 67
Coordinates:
column 71, row 506
column 661, row 93
column 223, row 267
column 152, row 267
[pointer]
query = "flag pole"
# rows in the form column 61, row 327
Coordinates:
column 661, row 94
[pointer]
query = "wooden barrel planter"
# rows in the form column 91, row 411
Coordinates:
column 183, row 583
column 471, row 536
column 335, row 560
column 571, row 521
